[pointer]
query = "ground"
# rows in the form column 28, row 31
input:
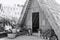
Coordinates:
column 24, row 37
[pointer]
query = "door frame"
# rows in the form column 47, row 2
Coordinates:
column 32, row 19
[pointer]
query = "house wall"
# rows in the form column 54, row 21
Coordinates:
column 43, row 22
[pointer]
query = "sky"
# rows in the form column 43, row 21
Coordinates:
column 58, row 1
column 12, row 2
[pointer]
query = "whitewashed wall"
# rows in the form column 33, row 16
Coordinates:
column 43, row 22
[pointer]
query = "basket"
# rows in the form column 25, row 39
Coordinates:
column 11, row 36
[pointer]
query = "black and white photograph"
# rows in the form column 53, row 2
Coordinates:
column 29, row 19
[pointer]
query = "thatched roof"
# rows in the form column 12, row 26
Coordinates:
column 51, row 10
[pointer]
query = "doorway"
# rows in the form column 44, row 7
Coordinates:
column 35, row 22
